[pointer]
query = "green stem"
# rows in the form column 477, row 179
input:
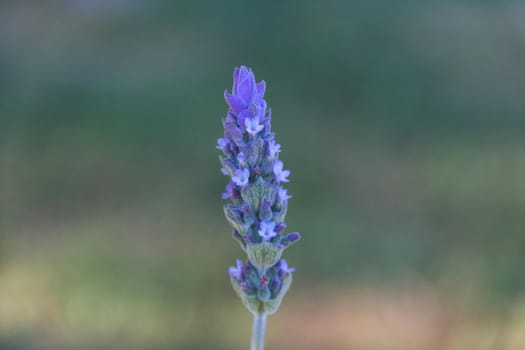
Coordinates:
column 259, row 327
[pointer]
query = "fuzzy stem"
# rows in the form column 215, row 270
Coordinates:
column 259, row 327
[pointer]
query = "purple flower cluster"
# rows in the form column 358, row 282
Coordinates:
column 266, row 286
column 257, row 201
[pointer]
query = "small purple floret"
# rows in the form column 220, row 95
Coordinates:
column 284, row 266
column 241, row 177
column 267, row 230
column 222, row 143
column 253, row 126
column 273, row 148
column 280, row 174
column 236, row 271
column 283, row 194
column 241, row 158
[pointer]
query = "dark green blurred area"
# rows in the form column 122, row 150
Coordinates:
column 402, row 122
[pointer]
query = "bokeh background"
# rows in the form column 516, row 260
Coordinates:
column 403, row 123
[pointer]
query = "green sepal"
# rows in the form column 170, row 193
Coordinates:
column 279, row 215
column 271, row 306
column 255, row 305
column 264, row 294
column 227, row 164
column 254, row 193
column 234, row 220
column 253, row 151
column 239, row 238
column 263, row 255
column 251, row 302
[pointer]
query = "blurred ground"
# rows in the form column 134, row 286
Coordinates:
column 402, row 123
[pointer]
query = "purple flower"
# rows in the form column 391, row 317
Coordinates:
column 253, row 126
column 266, row 284
column 241, row 176
column 283, row 194
column 236, row 272
column 241, row 158
column 255, row 112
column 230, row 191
column 273, row 148
column 257, row 203
column 267, row 230
column 280, row 174
column 245, row 90
column 222, row 143
column 283, row 265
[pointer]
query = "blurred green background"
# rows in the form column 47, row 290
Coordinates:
column 402, row 122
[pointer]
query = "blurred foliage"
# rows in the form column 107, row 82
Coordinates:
column 402, row 123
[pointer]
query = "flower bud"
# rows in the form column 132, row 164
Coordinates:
column 281, row 213
column 265, row 213
column 248, row 214
column 234, row 217
column 290, row 239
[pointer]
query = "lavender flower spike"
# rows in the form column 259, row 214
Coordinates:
column 257, row 201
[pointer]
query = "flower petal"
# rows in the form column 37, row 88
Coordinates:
column 235, row 102
column 247, row 88
column 261, row 88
